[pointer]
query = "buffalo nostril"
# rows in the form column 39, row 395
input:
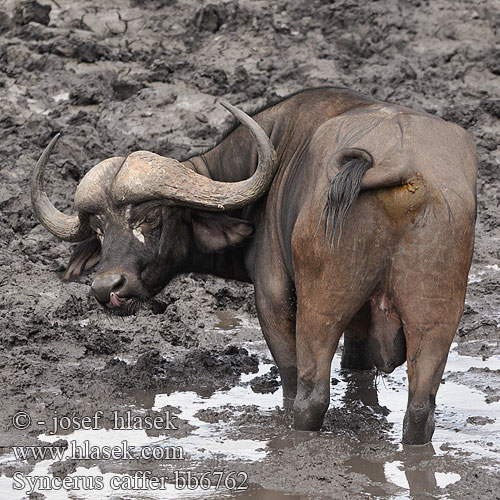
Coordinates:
column 103, row 286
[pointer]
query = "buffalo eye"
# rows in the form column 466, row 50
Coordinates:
column 151, row 221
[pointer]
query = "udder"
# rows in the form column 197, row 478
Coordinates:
column 386, row 339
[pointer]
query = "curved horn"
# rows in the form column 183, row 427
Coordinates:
column 147, row 176
column 254, row 187
column 68, row 228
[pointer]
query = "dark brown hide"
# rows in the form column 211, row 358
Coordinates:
column 394, row 281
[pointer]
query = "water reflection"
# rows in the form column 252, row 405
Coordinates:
column 412, row 471
column 263, row 494
column 361, row 387
column 405, row 470
column 419, row 481
column 359, row 399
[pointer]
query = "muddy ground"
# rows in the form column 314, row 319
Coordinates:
column 116, row 76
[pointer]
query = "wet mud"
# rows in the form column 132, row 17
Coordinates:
column 124, row 75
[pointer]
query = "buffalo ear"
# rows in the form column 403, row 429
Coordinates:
column 215, row 232
column 85, row 256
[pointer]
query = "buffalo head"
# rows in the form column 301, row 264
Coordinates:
column 143, row 218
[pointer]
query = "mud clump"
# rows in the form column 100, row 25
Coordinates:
column 182, row 427
column 102, row 342
column 210, row 18
column 481, row 379
column 213, row 415
column 5, row 22
column 35, row 495
column 62, row 469
column 199, row 367
column 234, row 297
column 220, row 364
column 31, row 11
column 270, row 382
column 478, row 420
column 492, row 60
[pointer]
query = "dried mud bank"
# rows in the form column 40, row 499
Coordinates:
column 118, row 76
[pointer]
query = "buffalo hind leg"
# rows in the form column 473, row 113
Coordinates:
column 427, row 352
column 429, row 322
column 315, row 352
column 275, row 308
column 318, row 333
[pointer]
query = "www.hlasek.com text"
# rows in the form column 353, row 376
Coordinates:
column 86, row 451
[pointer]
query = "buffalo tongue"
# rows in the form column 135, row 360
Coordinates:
column 115, row 300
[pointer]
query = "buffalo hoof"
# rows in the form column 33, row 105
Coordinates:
column 308, row 414
column 303, row 423
column 418, row 425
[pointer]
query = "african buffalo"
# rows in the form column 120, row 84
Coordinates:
column 349, row 215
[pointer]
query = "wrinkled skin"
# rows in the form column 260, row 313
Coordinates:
column 396, row 283
column 145, row 259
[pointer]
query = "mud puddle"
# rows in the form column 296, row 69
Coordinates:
column 467, row 428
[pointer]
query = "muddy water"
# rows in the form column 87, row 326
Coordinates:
column 468, row 429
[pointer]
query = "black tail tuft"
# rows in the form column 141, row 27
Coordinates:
column 343, row 190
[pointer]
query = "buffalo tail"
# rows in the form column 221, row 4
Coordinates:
column 343, row 190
